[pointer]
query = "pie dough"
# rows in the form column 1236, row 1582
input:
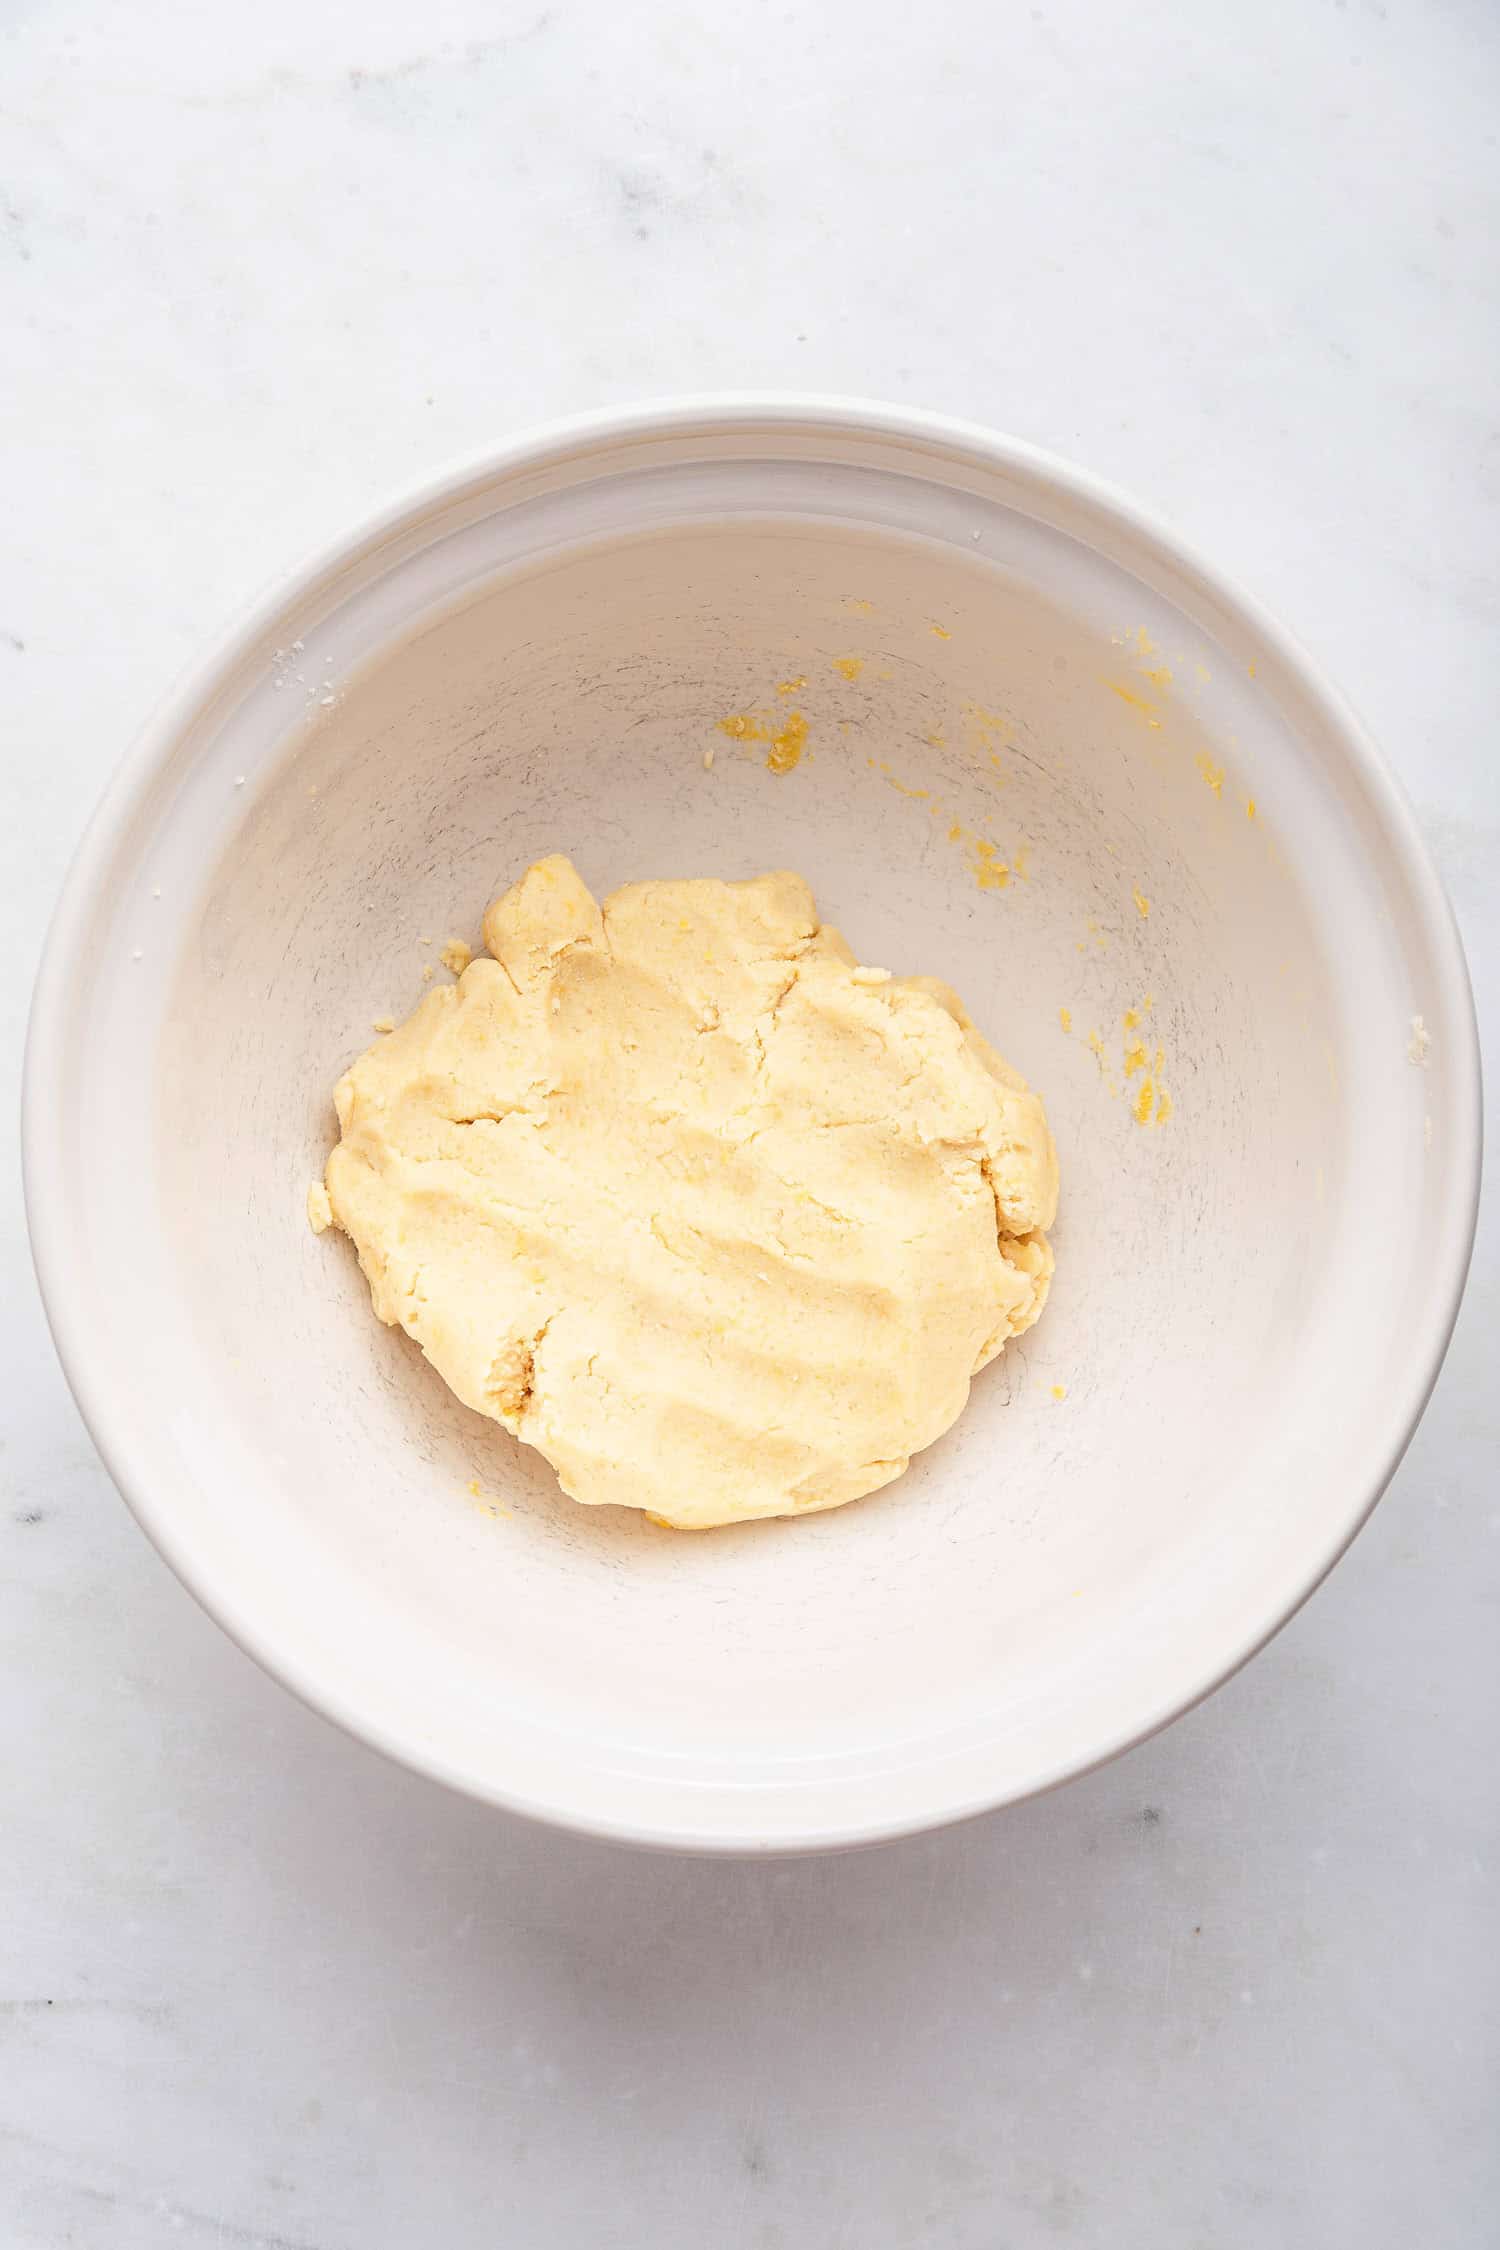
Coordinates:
column 719, row 1221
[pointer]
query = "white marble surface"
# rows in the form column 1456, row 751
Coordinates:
column 259, row 266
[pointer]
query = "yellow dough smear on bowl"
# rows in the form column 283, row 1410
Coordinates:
column 719, row 1221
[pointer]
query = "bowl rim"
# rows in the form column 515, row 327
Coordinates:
column 82, row 1351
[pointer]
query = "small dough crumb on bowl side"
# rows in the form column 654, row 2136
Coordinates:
column 718, row 1220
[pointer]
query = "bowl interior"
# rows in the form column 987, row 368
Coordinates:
column 1040, row 763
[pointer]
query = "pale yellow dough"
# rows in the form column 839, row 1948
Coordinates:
column 717, row 1220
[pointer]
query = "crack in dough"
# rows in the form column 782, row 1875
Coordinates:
column 719, row 1221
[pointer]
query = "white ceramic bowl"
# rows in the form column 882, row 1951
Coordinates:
column 1252, row 1298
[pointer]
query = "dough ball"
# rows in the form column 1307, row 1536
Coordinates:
column 720, row 1222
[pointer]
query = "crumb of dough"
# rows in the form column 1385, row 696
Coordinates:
column 990, row 872
column 850, row 666
column 384, row 1023
column 1059, row 1390
column 787, row 744
column 455, row 955
column 319, row 1209
column 720, row 1222
column 1142, row 903
column 708, row 761
column 485, row 1500
column 1065, row 1018
column 1148, row 710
